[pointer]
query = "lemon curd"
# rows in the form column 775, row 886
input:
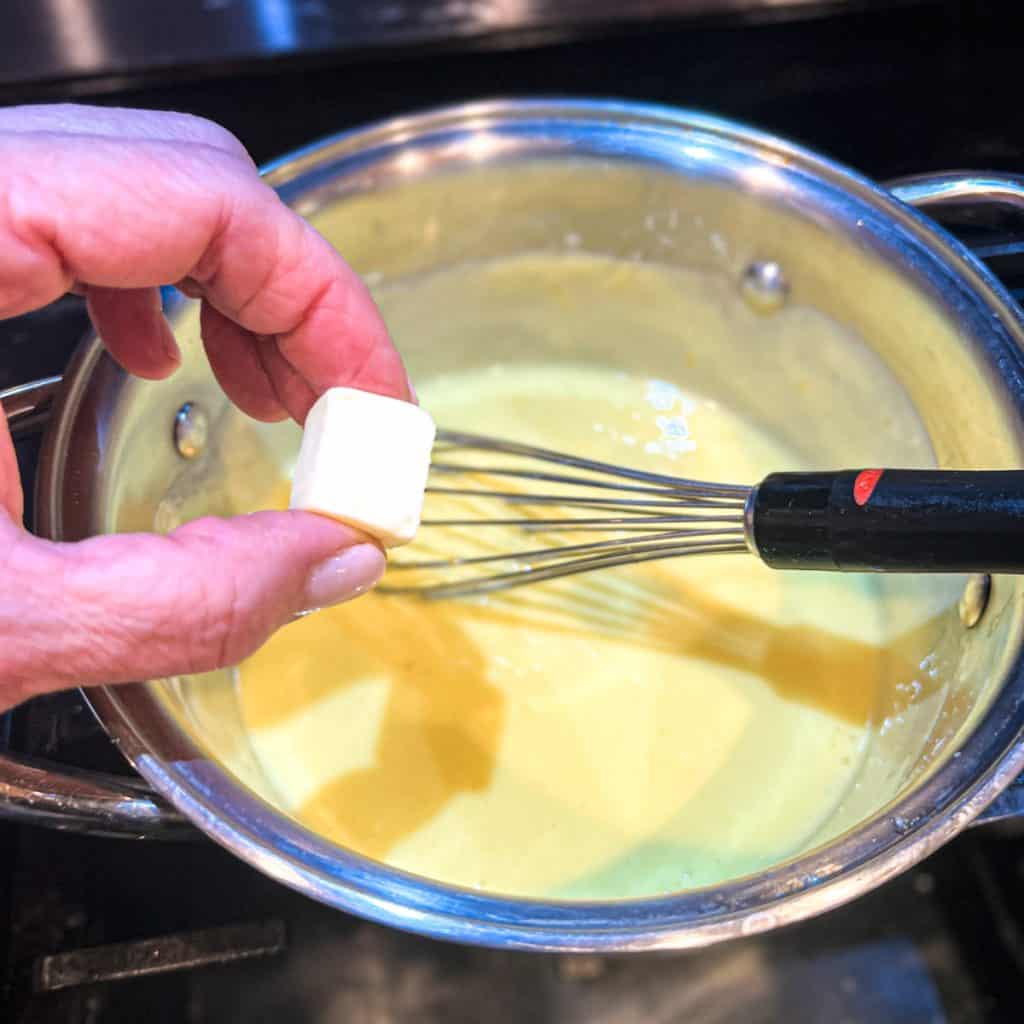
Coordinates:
column 617, row 734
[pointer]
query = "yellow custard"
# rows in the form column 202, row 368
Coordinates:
column 626, row 733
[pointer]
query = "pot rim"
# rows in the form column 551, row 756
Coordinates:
column 908, row 830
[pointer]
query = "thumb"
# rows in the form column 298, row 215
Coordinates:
column 140, row 606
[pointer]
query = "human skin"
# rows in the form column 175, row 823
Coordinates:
column 114, row 204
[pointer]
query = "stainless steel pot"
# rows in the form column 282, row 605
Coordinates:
column 634, row 182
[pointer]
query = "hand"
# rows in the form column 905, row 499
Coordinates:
column 113, row 204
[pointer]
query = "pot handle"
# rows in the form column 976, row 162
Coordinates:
column 27, row 406
column 986, row 210
column 46, row 793
column 982, row 197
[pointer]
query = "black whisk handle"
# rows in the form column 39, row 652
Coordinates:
column 893, row 520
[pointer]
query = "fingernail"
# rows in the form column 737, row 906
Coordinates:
column 172, row 350
column 344, row 576
column 168, row 341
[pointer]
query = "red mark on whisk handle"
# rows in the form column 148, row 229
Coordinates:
column 865, row 484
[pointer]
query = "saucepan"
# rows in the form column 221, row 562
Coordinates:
column 638, row 183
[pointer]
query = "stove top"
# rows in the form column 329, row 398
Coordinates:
column 104, row 930
column 940, row 944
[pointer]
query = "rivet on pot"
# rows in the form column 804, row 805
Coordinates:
column 974, row 599
column 764, row 286
column 191, row 429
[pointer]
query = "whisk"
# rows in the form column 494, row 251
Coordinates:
column 871, row 520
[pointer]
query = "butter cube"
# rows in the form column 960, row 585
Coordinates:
column 364, row 460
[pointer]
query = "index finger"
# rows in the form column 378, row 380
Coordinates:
column 133, row 213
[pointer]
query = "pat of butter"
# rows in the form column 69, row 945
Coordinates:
column 364, row 460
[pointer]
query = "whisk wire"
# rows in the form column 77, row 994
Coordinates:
column 652, row 542
column 518, row 577
column 454, row 439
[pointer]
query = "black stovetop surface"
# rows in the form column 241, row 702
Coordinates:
column 922, row 88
